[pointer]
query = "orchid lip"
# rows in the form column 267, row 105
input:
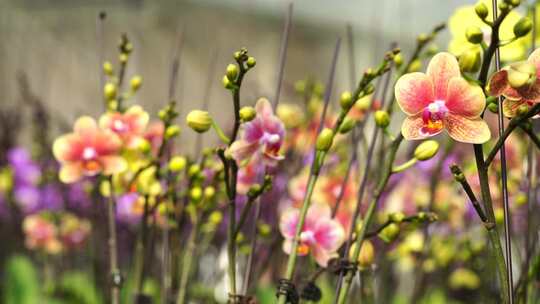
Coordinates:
column 89, row 153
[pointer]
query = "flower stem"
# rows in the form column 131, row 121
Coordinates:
column 342, row 293
column 113, row 250
column 187, row 261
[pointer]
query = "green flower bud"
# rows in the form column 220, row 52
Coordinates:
column 364, row 103
column 426, row 150
column 172, row 131
column 522, row 110
column 232, row 72
column 521, row 74
column 347, row 125
column 112, row 105
column 109, row 91
column 196, row 194
column 215, row 217
column 108, row 68
column 464, row 278
column 469, row 61
column 247, row 114
column 227, row 84
column 422, row 38
column 523, row 27
column 144, row 146
column 474, row 35
column 199, row 121
column 346, row 100
column 254, row 190
column 325, row 139
column 367, row 254
column 521, row 199
column 135, row 82
column 481, row 10
column 389, row 233
column 504, row 7
column 513, row 2
column 300, row 86
column 382, row 119
column 397, row 217
column 177, row 163
column 123, row 58
column 209, row 192
column 194, row 170
column 415, row 66
column 264, row 229
column 493, row 107
column 398, row 60
column 251, row 62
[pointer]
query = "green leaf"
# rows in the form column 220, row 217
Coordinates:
column 21, row 284
column 77, row 287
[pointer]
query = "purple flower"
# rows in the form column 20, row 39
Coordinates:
column 129, row 208
column 51, row 198
column 27, row 198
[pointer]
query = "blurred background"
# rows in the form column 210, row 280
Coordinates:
column 54, row 43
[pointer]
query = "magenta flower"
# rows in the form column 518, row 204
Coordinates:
column 263, row 136
column 88, row 151
column 442, row 99
column 321, row 235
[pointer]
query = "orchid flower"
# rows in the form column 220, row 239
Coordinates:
column 321, row 235
column 41, row 234
column 442, row 99
column 527, row 95
column 129, row 126
column 263, row 135
column 88, row 151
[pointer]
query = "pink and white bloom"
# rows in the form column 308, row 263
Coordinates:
column 154, row 135
column 129, row 126
column 321, row 235
column 263, row 135
column 41, row 234
column 516, row 97
column 442, row 99
column 88, row 151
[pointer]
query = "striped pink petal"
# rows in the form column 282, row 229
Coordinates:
column 441, row 69
column 414, row 91
column 462, row 129
column 465, row 99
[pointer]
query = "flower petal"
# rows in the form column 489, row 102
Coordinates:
column 241, row 150
column 462, row 129
column 441, row 69
column 465, row 99
column 534, row 58
column 412, row 128
column 531, row 92
column 414, row 91
column 85, row 126
column 329, row 234
column 498, row 83
column 322, row 256
column 263, row 107
column 70, row 173
column 113, row 164
column 66, row 148
column 510, row 107
column 138, row 119
column 288, row 222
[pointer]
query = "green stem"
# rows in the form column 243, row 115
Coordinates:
column 220, row 133
column 113, row 253
column 404, row 166
column 187, row 261
column 369, row 217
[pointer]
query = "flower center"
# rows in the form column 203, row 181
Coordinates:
column 119, row 126
column 270, row 138
column 433, row 116
column 89, row 153
column 90, row 163
column 307, row 237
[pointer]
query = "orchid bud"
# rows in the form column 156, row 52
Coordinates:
column 504, row 7
column 523, row 27
column 108, row 68
column 254, row 190
column 325, row 139
column 227, row 84
column 123, row 58
column 389, row 233
column 232, row 72
column 364, row 103
column 215, row 217
column 469, row 61
column 144, row 146
column 398, row 60
column 397, row 217
column 199, row 121
column 426, row 150
column 194, row 170
column 493, row 107
column 109, row 91
column 346, row 100
column 247, row 114
column 474, row 35
column 209, row 192
column 177, row 163
column 251, row 62
column 522, row 110
column 481, row 10
column 422, row 38
column 464, row 278
column 367, row 254
column 135, row 83
column 415, row 66
column 172, row 131
column 347, row 125
column 382, row 119
column 196, row 194
column 521, row 74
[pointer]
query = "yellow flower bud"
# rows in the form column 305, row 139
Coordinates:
column 415, row 66
column 144, row 146
column 251, row 62
column 196, row 194
column 109, row 91
column 398, row 60
column 247, row 114
column 464, row 278
column 135, row 83
column 382, row 119
column 397, row 217
column 123, row 58
column 209, row 192
column 325, row 139
column 522, row 110
column 177, row 163
column 474, row 34
column 264, row 229
column 172, row 131
column 426, row 150
column 215, row 217
column 194, row 170
column 363, row 104
column 523, row 27
column 108, row 68
column 346, row 100
column 367, row 254
column 389, row 233
column 469, row 61
column 291, row 114
column 227, row 84
column 347, row 125
column 481, row 10
column 232, row 72
column 199, row 121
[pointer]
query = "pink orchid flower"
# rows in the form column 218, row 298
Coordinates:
column 88, row 151
column 263, row 135
column 129, row 126
column 41, row 234
column 442, row 99
column 249, row 175
column 154, row 135
column 514, row 98
column 321, row 235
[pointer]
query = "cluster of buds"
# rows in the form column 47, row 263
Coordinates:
column 235, row 72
